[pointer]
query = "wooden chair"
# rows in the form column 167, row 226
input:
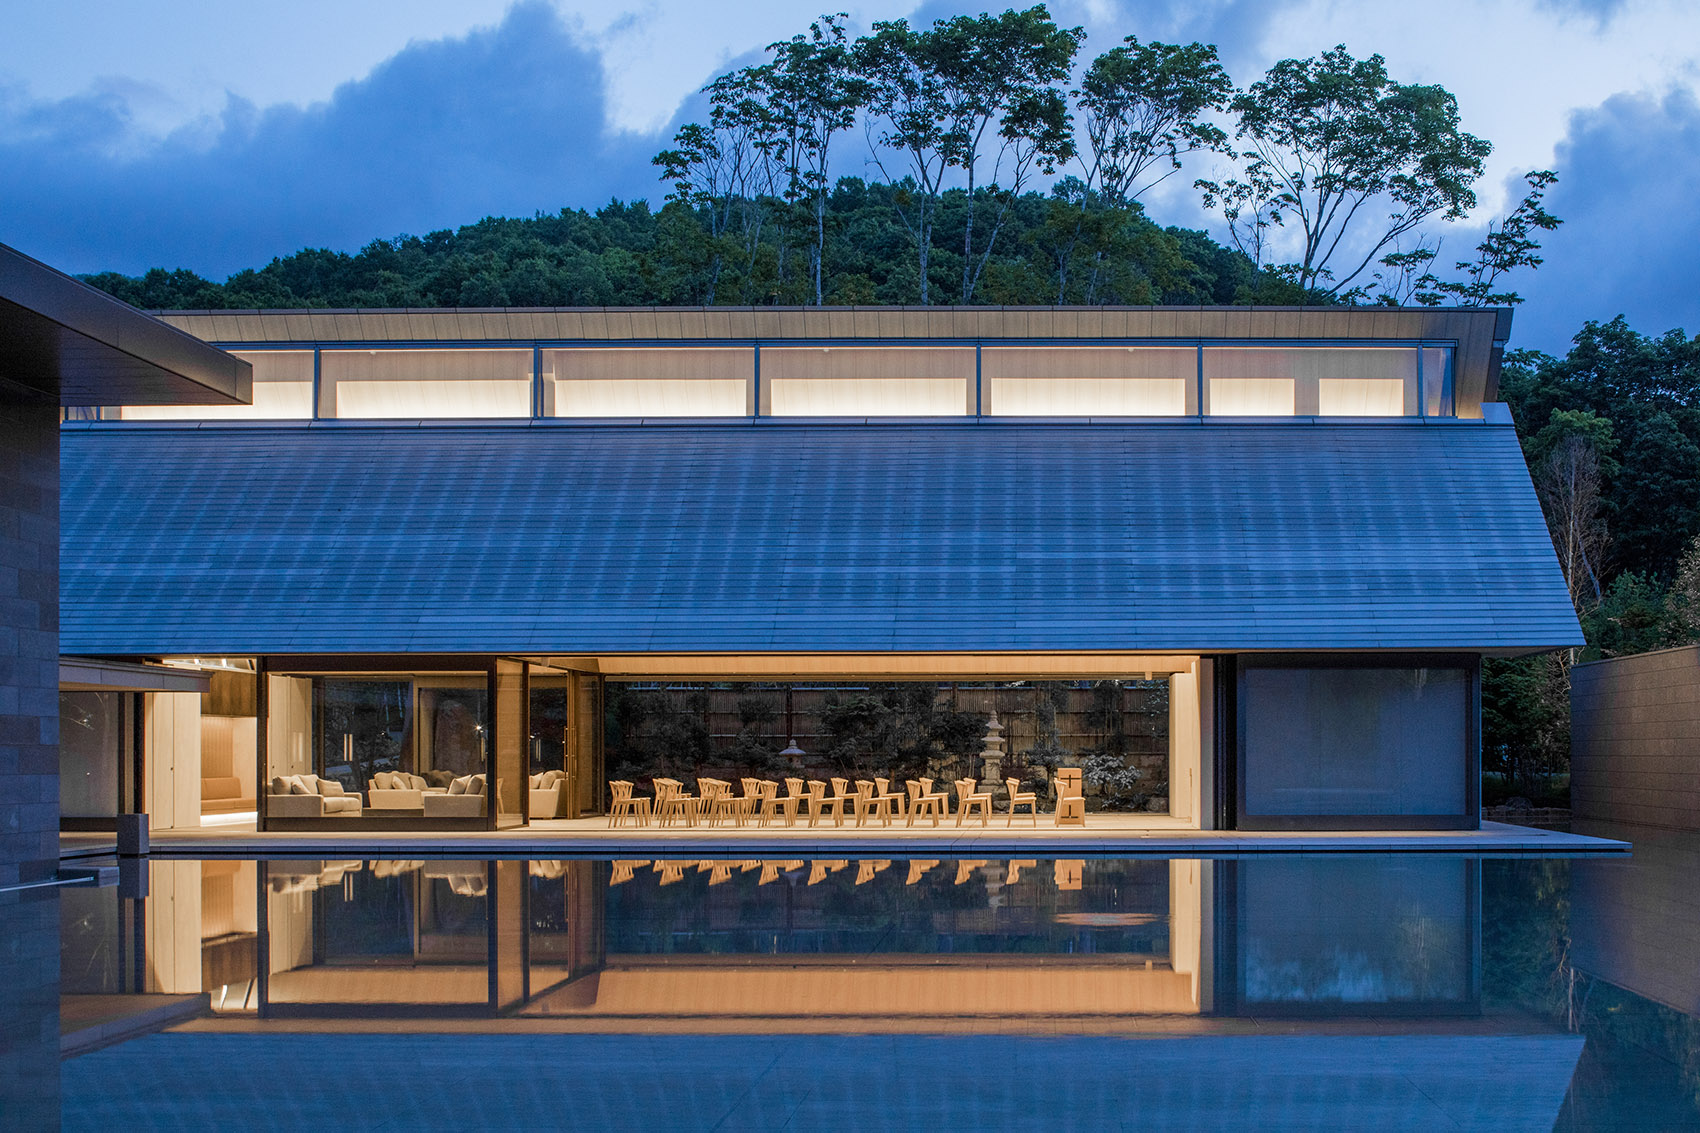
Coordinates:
column 818, row 802
column 927, row 789
column 1015, row 868
column 769, row 804
column 841, row 797
column 671, row 802
column 925, row 803
column 1069, row 873
column 1071, row 804
column 1018, row 797
column 867, row 801
column 624, row 806
column 967, row 798
column 883, row 791
column 796, row 796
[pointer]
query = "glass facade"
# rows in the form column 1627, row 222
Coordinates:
column 1332, row 742
column 93, row 751
column 867, row 381
column 850, row 379
column 425, row 383
column 710, row 381
column 1082, row 381
column 1310, row 381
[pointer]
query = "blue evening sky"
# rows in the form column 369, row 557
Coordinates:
column 215, row 135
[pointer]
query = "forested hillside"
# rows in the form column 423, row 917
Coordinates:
column 626, row 254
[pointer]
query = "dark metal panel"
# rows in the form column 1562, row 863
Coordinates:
column 1210, row 537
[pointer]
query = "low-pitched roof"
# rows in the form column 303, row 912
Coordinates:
column 61, row 339
column 549, row 538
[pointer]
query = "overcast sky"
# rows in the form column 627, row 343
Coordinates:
column 215, row 135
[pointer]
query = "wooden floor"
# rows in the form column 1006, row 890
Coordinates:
column 1102, row 834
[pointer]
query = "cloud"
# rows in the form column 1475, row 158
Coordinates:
column 503, row 121
column 1628, row 170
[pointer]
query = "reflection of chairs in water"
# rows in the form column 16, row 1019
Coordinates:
column 1015, row 868
column 918, row 868
column 965, row 869
column 670, row 871
column 548, row 871
column 819, row 869
column 865, row 870
column 718, row 872
column 623, row 870
column 624, row 806
column 1069, row 873
column 390, row 867
column 967, row 798
column 770, row 871
column 1018, row 797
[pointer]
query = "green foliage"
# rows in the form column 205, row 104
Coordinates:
column 625, row 255
column 1648, row 390
column 898, row 729
column 1325, row 137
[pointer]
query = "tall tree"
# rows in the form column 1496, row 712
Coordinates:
column 725, row 170
column 1353, row 159
column 975, row 95
column 1143, row 108
column 1510, row 244
column 814, row 83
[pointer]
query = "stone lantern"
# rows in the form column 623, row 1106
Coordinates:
column 993, row 754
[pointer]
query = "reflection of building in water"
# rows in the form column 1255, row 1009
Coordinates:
column 794, row 945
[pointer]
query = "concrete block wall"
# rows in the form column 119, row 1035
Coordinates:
column 29, row 640
column 1635, row 739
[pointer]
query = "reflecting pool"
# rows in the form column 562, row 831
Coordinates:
column 1397, row 991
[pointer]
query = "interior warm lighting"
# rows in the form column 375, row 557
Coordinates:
column 425, row 383
column 1251, row 397
column 695, row 381
column 869, row 397
column 1088, row 397
column 1360, row 397
column 666, row 397
column 283, row 391
column 434, row 399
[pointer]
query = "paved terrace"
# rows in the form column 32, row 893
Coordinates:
column 1103, row 834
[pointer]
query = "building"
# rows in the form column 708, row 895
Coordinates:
column 61, row 344
column 437, row 539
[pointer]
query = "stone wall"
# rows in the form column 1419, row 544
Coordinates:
column 1635, row 739
column 29, row 640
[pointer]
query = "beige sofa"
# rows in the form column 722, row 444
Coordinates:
column 548, row 794
column 308, row 796
column 398, row 790
column 464, row 799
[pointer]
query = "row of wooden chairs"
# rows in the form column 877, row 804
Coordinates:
column 720, row 871
column 762, row 803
